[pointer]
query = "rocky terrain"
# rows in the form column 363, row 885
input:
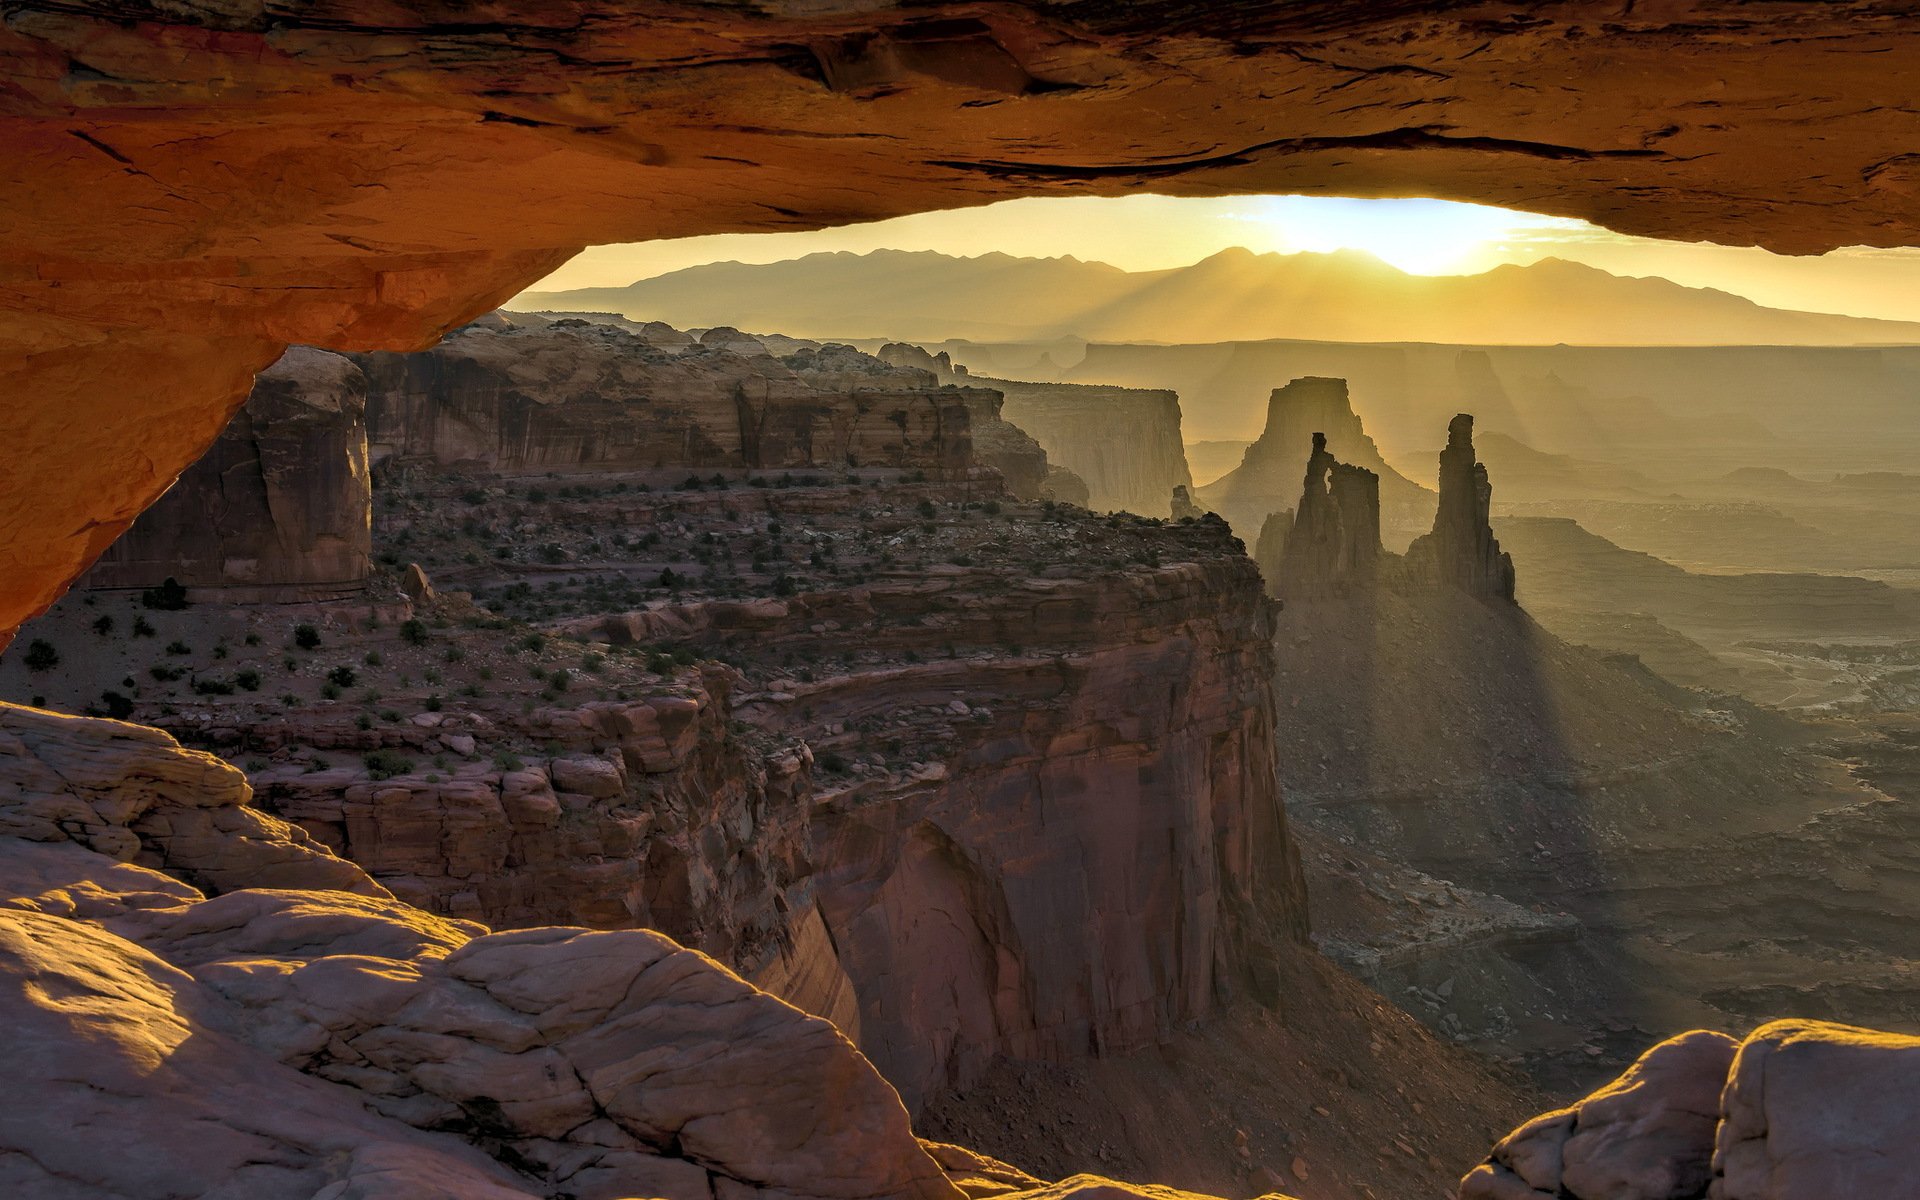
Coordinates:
column 626, row 699
column 1792, row 639
column 1555, row 854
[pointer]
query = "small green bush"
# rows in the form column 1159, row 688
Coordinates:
column 170, row 596
column 385, row 764
column 306, row 637
column 41, row 655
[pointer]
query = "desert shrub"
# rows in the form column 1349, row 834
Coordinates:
column 306, row 637
column 832, row 763
column 103, row 625
column 373, row 658
column 41, row 655
column 329, row 691
column 506, row 760
column 142, row 627
column 165, row 673
column 363, row 721
column 453, row 654
column 211, row 686
column 178, row 647
column 413, row 631
column 342, row 676
column 385, row 764
column 170, row 596
column 434, row 703
column 114, row 705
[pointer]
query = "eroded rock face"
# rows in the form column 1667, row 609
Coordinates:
column 314, row 1043
column 514, row 396
column 1462, row 551
column 465, row 158
column 278, row 508
column 1333, row 543
column 133, row 794
column 1268, row 478
column 1124, row 443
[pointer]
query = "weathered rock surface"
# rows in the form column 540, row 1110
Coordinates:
column 516, row 396
column 1646, row 1136
column 1123, row 442
column 1462, row 551
column 1801, row 1110
column 1333, row 543
column 1268, row 477
column 311, row 1043
column 278, row 509
column 466, row 158
column 133, row 794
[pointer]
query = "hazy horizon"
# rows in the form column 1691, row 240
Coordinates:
column 1421, row 237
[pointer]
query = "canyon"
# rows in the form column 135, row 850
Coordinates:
column 250, row 1013
column 621, row 697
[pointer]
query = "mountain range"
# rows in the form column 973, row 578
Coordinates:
column 1235, row 295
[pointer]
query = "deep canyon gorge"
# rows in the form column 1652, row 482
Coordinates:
column 454, row 750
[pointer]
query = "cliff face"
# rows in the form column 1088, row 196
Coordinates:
column 1333, row 542
column 512, row 396
column 1267, row 479
column 279, row 508
column 1462, row 551
column 982, row 778
column 1123, row 442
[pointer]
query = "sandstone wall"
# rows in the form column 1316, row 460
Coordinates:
column 1081, row 874
column 278, row 509
column 1124, row 442
column 510, row 396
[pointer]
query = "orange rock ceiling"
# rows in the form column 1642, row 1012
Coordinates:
column 192, row 185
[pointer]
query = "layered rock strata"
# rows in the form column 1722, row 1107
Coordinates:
column 1801, row 1110
column 913, row 699
column 1266, row 480
column 1123, row 442
column 248, row 1040
column 516, row 397
column 279, row 508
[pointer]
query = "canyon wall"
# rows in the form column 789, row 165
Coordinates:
column 278, row 509
column 513, row 396
column 1123, row 442
column 1267, row 479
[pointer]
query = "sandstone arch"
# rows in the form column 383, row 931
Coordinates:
column 190, row 187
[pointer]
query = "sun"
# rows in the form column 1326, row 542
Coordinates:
column 1422, row 237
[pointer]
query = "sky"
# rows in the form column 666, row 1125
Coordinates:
column 1425, row 237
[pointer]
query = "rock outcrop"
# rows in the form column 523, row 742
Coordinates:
column 278, row 509
column 1801, row 1110
column 133, row 794
column 1461, row 551
column 571, row 395
column 297, row 1042
column 1123, row 442
column 1267, row 479
column 1332, row 545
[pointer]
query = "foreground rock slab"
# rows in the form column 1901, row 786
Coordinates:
column 1801, row 1110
